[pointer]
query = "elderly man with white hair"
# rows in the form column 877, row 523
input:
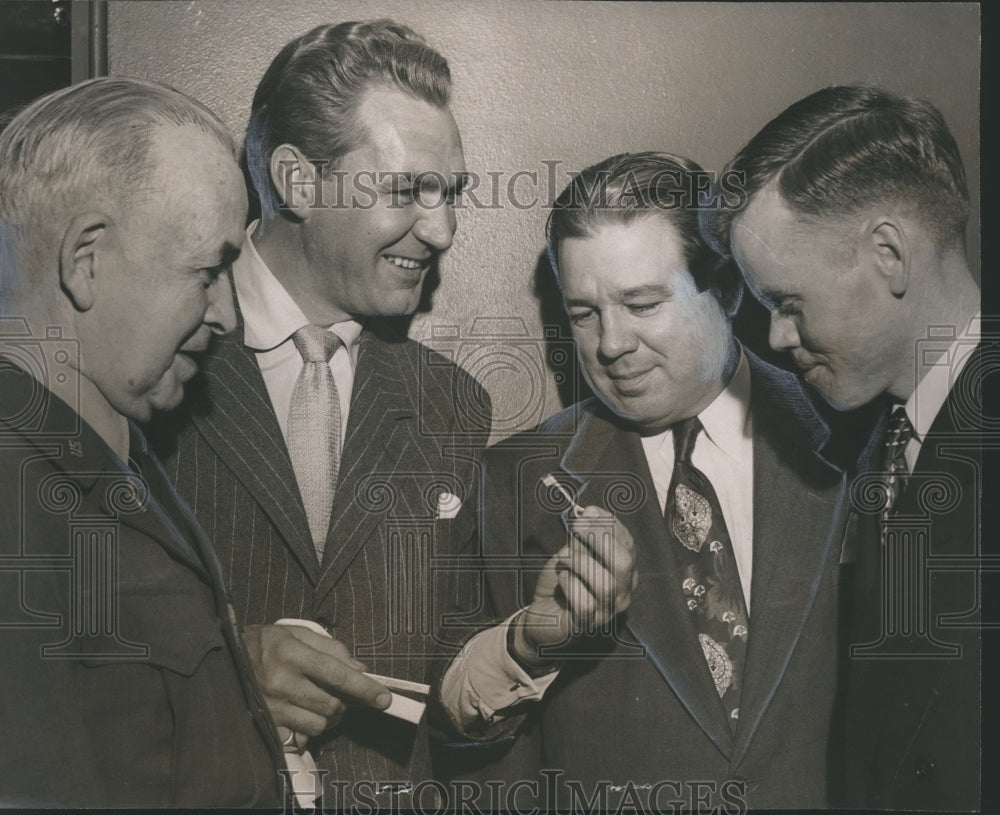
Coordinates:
column 124, row 680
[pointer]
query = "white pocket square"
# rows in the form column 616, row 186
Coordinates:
column 448, row 505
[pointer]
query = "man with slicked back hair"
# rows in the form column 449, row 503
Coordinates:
column 670, row 639
column 852, row 235
column 321, row 429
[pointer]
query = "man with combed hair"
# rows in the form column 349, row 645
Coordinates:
column 322, row 430
column 853, row 236
column 124, row 681
column 681, row 623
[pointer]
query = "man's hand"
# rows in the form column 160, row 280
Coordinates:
column 582, row 588
column 307, row 679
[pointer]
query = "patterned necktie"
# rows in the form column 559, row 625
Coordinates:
column 314, row 429
column 710, row 579
column 897, row 435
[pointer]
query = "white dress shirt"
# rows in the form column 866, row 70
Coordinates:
column 484, row 679
column 270, row 318
column 949, row 356
column 723, row 451
column 938, row 362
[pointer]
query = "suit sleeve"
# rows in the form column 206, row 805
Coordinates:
column 484, row 696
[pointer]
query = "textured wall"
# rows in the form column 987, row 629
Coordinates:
column 573, row 83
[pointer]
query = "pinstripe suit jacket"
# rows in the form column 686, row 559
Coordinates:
column 416, row 423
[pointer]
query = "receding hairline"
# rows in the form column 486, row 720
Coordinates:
column 166, row 159
column 366, row 105
column 100, row 130
column 92, row 147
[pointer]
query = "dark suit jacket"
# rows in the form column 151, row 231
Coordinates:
column 416, row 422
column 912, row 710
column 640, row 707
column 123, row 681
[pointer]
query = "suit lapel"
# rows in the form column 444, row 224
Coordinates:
column 191, row 541
column 869, row 551
column 100, row 476
column 154, row 521
column 958, row 421
column 955, row 421
column 657, row 617
column 166, row 519
column 795, row 533
column 238, row 422
column 379, row 436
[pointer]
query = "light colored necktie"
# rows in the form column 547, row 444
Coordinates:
column 314, row 429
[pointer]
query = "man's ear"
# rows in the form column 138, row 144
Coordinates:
column 891, row 252
column 295, row 178
column 79, row 257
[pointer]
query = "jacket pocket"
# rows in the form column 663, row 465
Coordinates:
column 174, row 631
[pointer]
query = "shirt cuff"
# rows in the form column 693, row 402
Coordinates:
column 483, row 684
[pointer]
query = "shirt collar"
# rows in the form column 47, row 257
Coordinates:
column 932, row 390
column 725, row 419
column 270, row 315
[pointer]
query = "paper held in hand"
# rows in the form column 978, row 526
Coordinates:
column 403, row 705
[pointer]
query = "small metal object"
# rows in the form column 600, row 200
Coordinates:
column 549, row 480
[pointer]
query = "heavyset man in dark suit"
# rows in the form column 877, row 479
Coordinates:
column 356, row 160
column 853, row 236
column 124, row 682
column 681, row 627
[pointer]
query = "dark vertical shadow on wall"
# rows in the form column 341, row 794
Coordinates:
column 560, row 355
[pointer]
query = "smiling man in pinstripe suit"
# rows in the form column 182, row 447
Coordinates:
column 325, row 514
